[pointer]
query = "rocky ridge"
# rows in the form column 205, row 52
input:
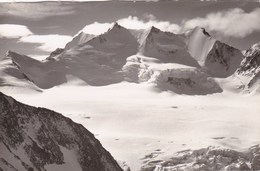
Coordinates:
column 40, row 139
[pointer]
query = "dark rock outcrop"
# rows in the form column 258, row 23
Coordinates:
column 34, row 138
column 210, row 158
column 249, row 70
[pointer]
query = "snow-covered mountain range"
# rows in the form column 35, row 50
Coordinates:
column 189, row 63
column 120, row 85
column 40, row 139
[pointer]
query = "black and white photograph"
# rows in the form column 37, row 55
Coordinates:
column 129, row 85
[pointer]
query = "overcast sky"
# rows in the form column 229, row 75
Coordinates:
column 38, row 28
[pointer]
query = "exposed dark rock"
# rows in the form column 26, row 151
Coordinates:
column 56, row 52
column 41, row 134
column 223, row 60
column 251, row 61
column 256, row 162
column 249, row 69
column 210, row 158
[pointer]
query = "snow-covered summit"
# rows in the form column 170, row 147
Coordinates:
column 78, row 39
column 115, row 26
column 117, row 36
column 82, row 37
column 165, row 46
column 154, row 30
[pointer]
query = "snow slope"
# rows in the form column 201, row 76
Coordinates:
column 134, row 120
column 199, row 44
column 78, row 39
column 99, row 61
column 41, row 74
column 177, row 78
column 165, row 46
column 11, row 76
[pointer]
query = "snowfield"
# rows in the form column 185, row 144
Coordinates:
column 134, row 120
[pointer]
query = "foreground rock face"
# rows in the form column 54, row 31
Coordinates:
column 39, row 139
column 210, row 158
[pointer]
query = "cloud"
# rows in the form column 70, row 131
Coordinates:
column 149, row 16
column 96, row 28
column 133, row 22
column 233, row 23
column 13, row 31
column 48, row 42
column 38, row 57
column 36, row 10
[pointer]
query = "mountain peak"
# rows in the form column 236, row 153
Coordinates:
column 205, row 32
column 10, row 53
column 256, row 46
column 154, row 30
column 115, row 25
column 201, row 30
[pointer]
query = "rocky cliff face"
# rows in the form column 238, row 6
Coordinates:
column 251, row 62
column 222, row 60
column 165, row 46
column 40, row 139
column 249, row 70
column 217, row 58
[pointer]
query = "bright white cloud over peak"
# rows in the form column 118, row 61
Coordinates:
column 96, row 28
column 14, row 31
column 231, row 23
column 49, row 42
column 133, row 22
column 234, row 22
